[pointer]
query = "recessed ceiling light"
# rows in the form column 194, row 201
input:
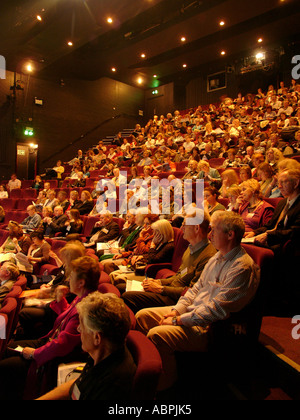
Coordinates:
column 140, row 80
column 109, row 20
column 222, row 23
column 29, row 68
column 260, row 40
column 113, row 69
column 70, row 43
column 183, row 39
column 39, row 17
column 223, row 52
column 143, row 55
column 184, row 66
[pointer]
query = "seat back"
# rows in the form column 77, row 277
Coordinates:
column 9, row 308
column 149, row 366
column 180, row 246
column 3, row 328
column 21, row 282
column 15, row 293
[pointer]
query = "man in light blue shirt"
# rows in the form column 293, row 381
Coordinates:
column 228, row 283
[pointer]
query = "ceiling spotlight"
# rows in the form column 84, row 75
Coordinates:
column 222, row 23
column 109, row 20
column 143, row 55
column 155, row 76
column 223, row 52
column 70, row 43
column 39, row 18
column 183, row 39
column 260, row 40
column 29, row 68
column 114, row 69
column 184, row 66
column 140, row 80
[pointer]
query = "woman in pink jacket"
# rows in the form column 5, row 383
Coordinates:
column 61, row 341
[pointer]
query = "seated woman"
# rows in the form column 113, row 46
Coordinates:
column 63, row 339
column 229, row 178
column 232, row 161
column 233, row 194
column 87, row 203
column 211, row 204
column 39, row 250
column 141, row 245
column 74, row 224
column 36, row 320
column 16, row 242
column 245, row 173
column 161, row 250
column 266, row 178
column 37, row 184
column 254, row 210
column 273, row 157
column 3, row 192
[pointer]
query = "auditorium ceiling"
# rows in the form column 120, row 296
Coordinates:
column 142, row 42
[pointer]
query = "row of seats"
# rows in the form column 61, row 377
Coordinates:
column 144, row 352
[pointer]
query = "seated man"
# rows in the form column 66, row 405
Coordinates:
column 56, row 223
column 285, row 223
column 9, row 273
column 33, row 220
column 104, row 231
column 166, row 292
column 14, row 183
column 193, row 172
column 109, row 372
column 228, row 283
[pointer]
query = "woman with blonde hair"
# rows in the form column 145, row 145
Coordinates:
column 253, row 209
column 31, row 316
column 87, row 203
column 229, row 178
column 273, row 157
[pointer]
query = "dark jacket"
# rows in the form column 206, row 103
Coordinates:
column 107, row 233
column 284, row 232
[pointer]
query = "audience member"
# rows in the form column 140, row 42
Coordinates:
column 219, row 292
column 9, row 273
column 62, row 340
column 109, row 372
column 33, row 220
column 166, row 292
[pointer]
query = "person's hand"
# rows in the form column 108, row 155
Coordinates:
column 261, row 239
column 167, row 319
column 61, row 292
column 28, row 353
column 153, row 286
column 249, row 235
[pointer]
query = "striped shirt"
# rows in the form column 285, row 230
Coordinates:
column 227, row 285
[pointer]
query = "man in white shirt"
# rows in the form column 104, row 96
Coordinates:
column 228, row 283
column 14, row 183
column 188, row 145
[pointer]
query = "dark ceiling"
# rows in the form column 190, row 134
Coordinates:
column 152, row 27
